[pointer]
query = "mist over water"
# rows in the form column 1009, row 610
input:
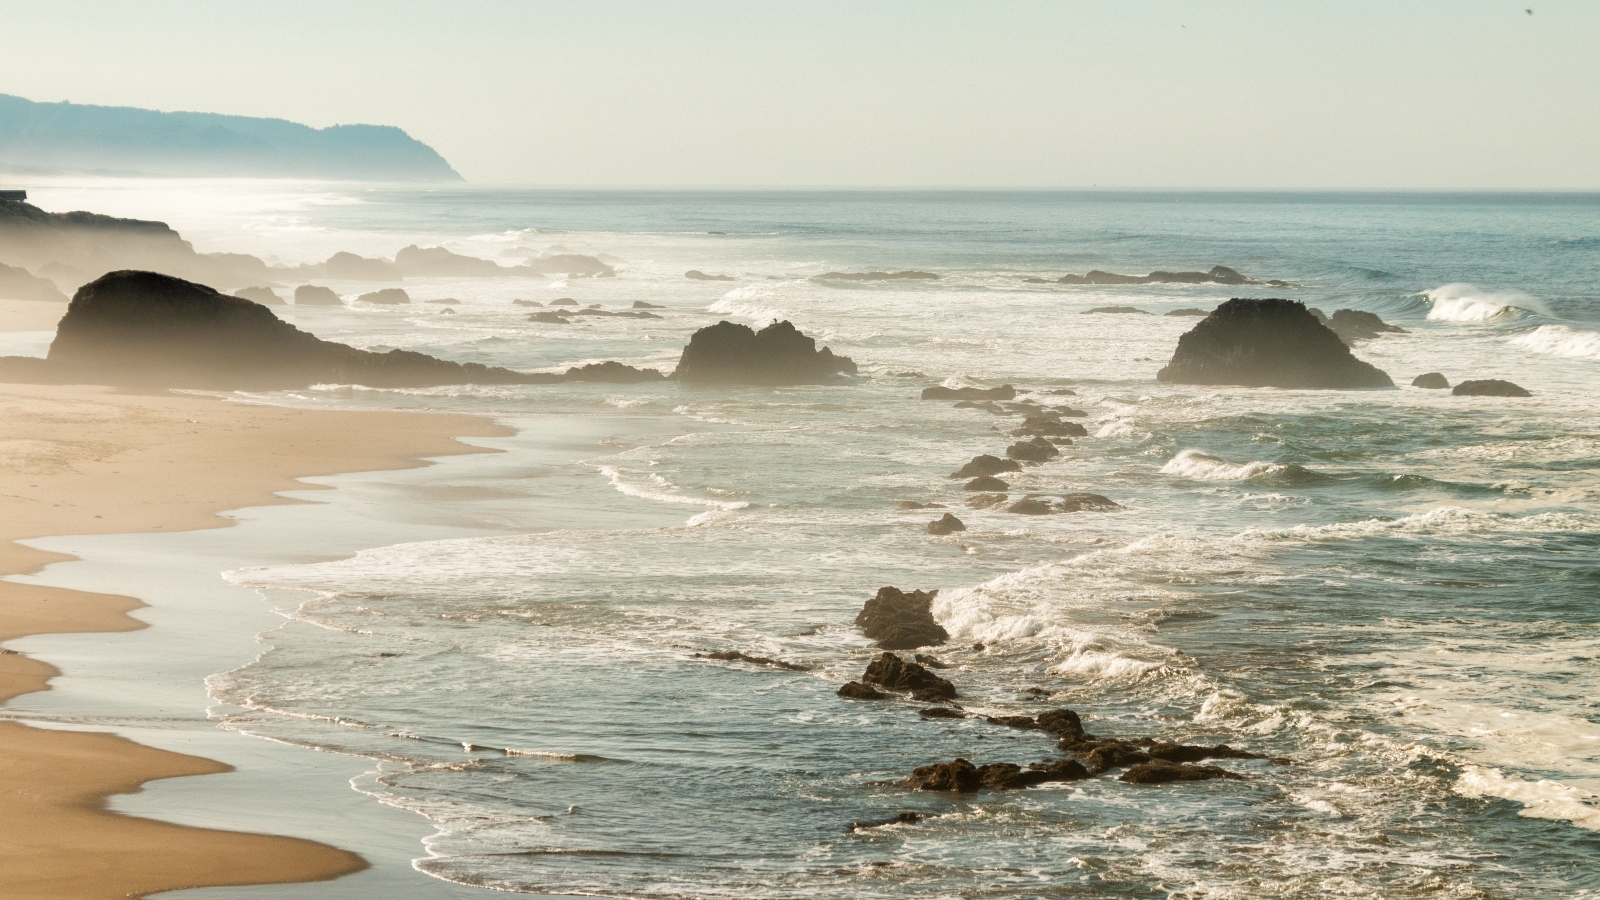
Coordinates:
column 1397, row 589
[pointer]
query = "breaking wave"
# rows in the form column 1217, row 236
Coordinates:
column 1460, row 302
column 1559, row 340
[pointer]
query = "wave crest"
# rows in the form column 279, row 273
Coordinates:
column 1559, row 340
column 1461, row 302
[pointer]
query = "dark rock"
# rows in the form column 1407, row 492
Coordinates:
column 1319, row 314
column 877, row 276
column 959, row 775
column 1189, row 311
column 155, row 330
column 1187, row 753
column 1036, row 449
column 563, row 301
column 985, row 483
column 947, row 524
column 1042, row 505
column 263, row 295
column 549, row 317
column 897, row 620
column 640, row 304
column 929, row 661
column 1433, row 381
column 940, row 392
column 736, row 656
column 1119, row 310
column 1159, row 771
column 1026, row 723
column 1061, row 770
column 1064, row 722
column 1112, row 755
column 905, row 818
column 855, row 690
column 415, row 261
column 1267, row 343
column 986, row 465
column 937, row 694
column 1048, row 426
column 1007, row 776
column 729, row 354
column 893, row 673
column 1353, row 325
column 350, row 267
column 312, row 295
column 390, row 296
column 611, row 372
column 985, row 501
column 941, row 712
column 1490, row 387
column 697, row 275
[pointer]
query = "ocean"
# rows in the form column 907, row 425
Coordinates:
column 1397, row 590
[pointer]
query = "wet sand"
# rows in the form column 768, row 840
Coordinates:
column 86, row 460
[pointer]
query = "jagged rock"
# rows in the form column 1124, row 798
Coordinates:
column 312, row 295
column 946, row 524
column 1159, row 771
column 611, row 372
column 985, row 464
column 729, row 354
column 924, row 659
column 985, row 483
column 941, row 712
column 893, row 673
column 550, row 318
column 1490, row 387
column 1353, row 325
column 388, row 296
column 736, row 656
column 962, row 776
column 1187, row 753
column 1190, row 311
column 940, row 392
column 1267, row 343
column 896, row 620
column 985, row 501
column 1433, row 381
column 1036, row 449
column 697, row 275
column 877, row 276
column 905, row 818
column 1042, row 505
column 263, row 295
column 155, row 330
column 1119, row 310
column 350, row 267
column 640, row 304
column 1026, row 723
column 855, row 690
column 959, row 775
column 1062, row 770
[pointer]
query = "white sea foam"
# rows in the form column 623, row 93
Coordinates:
column 1559, row 340
column 661, row 493
column 1460, row 302
column 1542, row 799
column 1204, row 467
column 744, row 302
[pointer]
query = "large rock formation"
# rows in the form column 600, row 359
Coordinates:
column 1490, row 387
column 315, row 295
column 155, row 330
column 16, row 283
column 1267, row 343
column 729, row 354
column 418, row 261
column 1353, row 325
column 897, row 620
column 386, row 297
column 265, row 296
column 359, row 268
column 892, row 673
column 1433, row 381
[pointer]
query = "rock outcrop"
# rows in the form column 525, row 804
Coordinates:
column 17, row 283
column 960, row 775
column 855, row 690
column 730, row 354
column 1353, row 325
column 1190, row 311
column 892, row 673
column 313, row 295
column 1217, row 275
column 984, row 464
column 1044, row 505
column 1161, row 772
column 946, row 524
column 986, row 483
column 1035, row 449
column 348, row 266
column 877, row 276
column 1267, row 343
column 896, row 620
column 263, row 295
column 940, row 392
column 1490, row 387
column 1433, row 381
column 419, row 261
column 386, row 297
column 611, row 372
column 697, row 275
column 1120, row 310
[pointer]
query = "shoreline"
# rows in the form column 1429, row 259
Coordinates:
column 82, row 460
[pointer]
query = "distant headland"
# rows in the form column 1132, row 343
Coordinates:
column 119, row 140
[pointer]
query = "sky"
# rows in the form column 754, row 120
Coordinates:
column 1464, row 94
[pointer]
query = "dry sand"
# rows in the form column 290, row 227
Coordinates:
column 86, row 460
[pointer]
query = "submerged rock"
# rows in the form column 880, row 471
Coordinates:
column 312, row 295
column 1119, row 310
column 1433, row 381
column 1043, row 505
column 905, row 818
column 940, row 392
column 985, row 501
column 263, row 295
column 1189, row 311
column 960, row 775
column 1049, row 426
column 550, row 318
column 526, row 303
column 941, row 712
column 1490, row 387
column 1159, row 771
column 736, row 656
column 895, row 674
column 611, row 372
column 1036, row 449
column 897, row 620
column 946, row 524
column 1267, row 343
column 388, row 296
column 640, row 304
column 729, row 354
column 985, row 464
column 697, row 275
column 855, row 690
column 1354, row 325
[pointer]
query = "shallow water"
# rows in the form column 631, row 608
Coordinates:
column 1399, row 589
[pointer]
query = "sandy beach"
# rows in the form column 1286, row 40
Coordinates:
column 86, row 460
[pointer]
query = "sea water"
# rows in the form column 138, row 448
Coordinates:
column 1398, row 590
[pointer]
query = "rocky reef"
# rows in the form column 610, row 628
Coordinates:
column 729, row 354
column 1267, row 343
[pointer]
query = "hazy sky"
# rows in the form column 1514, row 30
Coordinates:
column 1394, row 94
